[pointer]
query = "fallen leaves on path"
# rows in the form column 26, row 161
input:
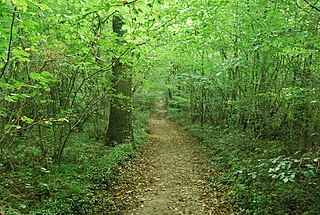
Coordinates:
column 169, row 177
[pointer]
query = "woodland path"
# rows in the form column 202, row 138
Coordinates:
column 169, row 177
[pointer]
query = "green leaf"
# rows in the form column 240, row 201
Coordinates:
column 128, row 29
column 3, row 113
column 20, row 4
column 23, row 95
column 42, row 7
column 46, row 74
column 34, row 75
column 13, row 98
column 23, row 206
column 107, row 7
column 8, row 126
column 138, row 55
column 45, row 171
column 18, row 84
column 5, row 86
column 292, row 177
column 308, row 173
column 20, row 54
column 26, row 119
column 310, row 166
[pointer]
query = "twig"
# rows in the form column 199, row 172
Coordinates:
column 10, row 43
column 109, row 16
column 312, row 6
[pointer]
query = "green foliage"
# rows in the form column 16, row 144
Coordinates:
column 258, row 176
column 248, row 65
column 33, row 185
column 56, row 61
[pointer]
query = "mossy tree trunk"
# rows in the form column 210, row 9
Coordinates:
column 120, row 121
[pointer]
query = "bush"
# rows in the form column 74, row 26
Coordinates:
column 261, row 176
column 31, row 184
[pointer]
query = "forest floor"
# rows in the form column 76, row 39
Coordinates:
column 171, row 176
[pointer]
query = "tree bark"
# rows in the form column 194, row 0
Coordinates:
column 120, row 121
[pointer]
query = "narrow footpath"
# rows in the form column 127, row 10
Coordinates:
column 169, row 177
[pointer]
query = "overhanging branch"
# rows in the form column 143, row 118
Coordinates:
column 312, row 6
column 10, row 44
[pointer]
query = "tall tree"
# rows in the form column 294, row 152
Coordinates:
column 120, row 123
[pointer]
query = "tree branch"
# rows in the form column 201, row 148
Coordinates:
column 312, row 6
column 106, row 19
column 10, row 43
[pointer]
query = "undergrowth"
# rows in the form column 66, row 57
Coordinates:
column 31, row 184
column 260, row 176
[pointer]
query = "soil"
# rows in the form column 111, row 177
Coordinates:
column 171, row 176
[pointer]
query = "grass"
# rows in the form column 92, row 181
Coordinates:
column 260, row 176
column 31, row 184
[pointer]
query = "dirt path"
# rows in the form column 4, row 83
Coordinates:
column 169, row 177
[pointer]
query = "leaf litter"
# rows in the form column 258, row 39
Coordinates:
column 171, row 176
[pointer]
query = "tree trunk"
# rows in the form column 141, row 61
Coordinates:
column 120, row 121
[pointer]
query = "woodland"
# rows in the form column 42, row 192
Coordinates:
column 80, row 79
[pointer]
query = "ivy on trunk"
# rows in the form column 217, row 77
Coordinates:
column 120, row 122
